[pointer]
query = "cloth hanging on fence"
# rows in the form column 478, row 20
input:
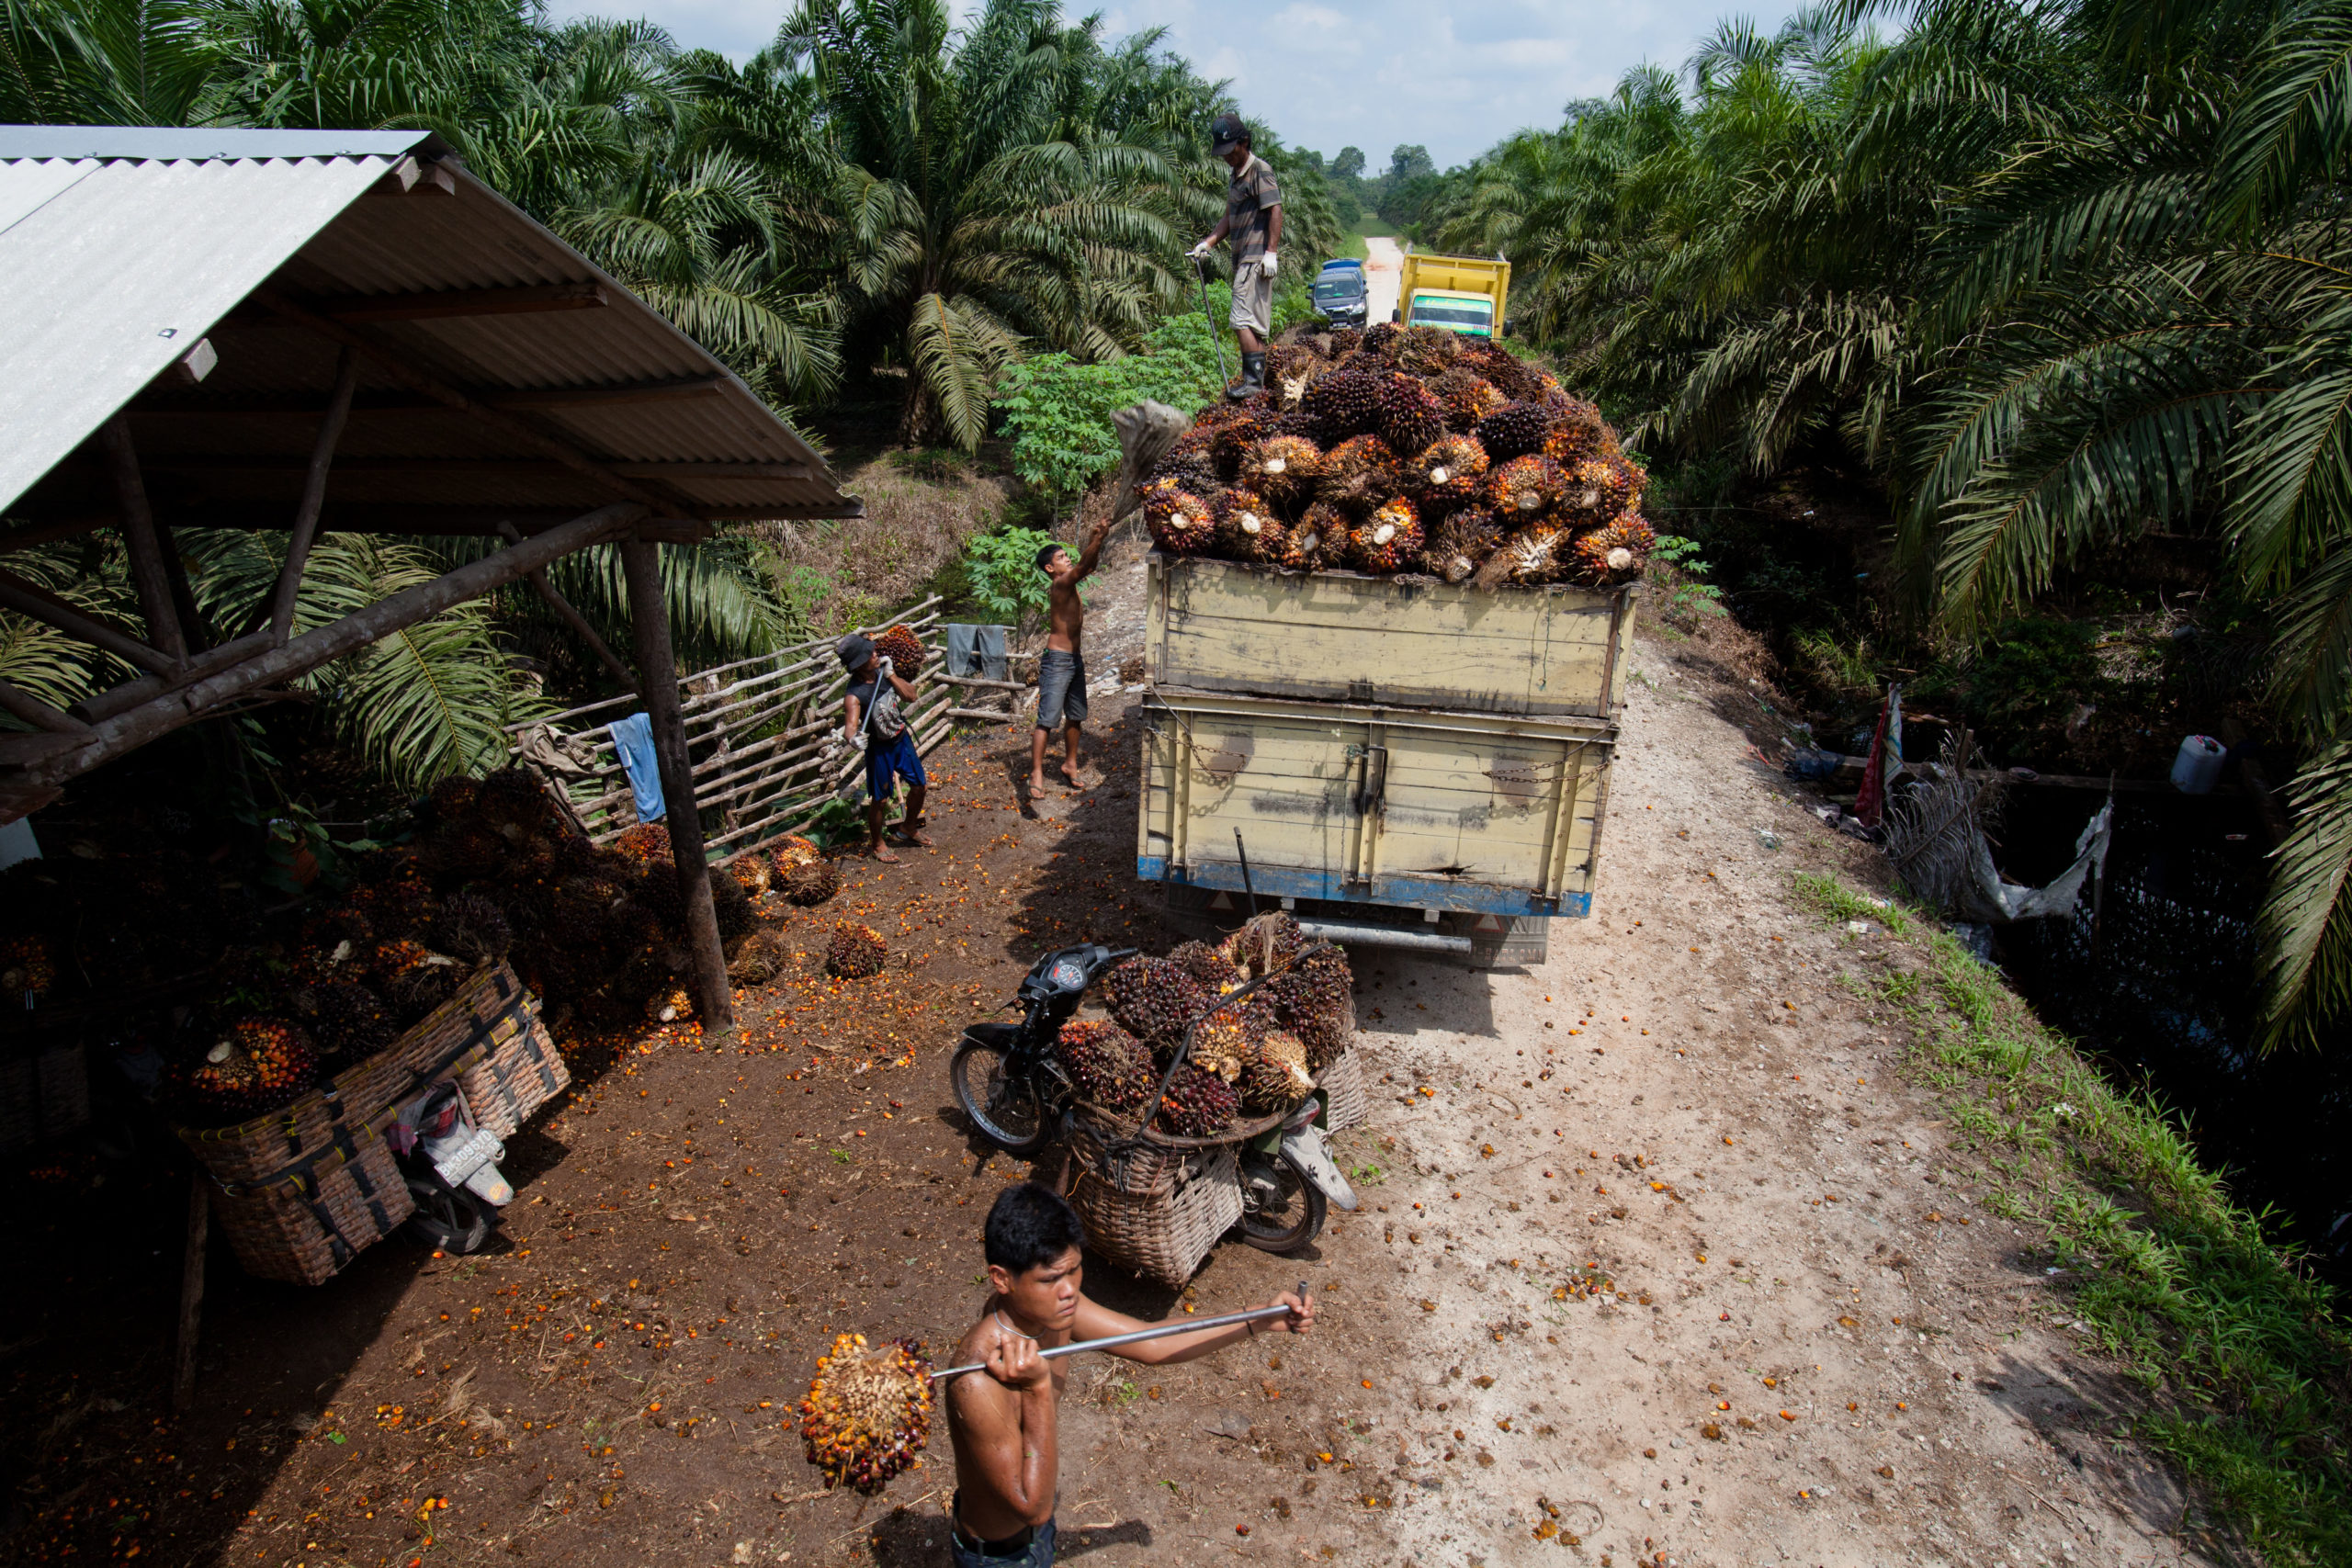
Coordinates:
column 977, row 650
column 633, row 739
column 1870, row 806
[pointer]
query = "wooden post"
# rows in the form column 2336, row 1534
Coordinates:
column 147, row 568
column 571, row 617
column 314, row 496
column 657, row 671
column 199, row 1229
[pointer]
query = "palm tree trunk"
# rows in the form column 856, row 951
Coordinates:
column 919, row 421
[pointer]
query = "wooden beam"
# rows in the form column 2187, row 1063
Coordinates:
column 146, row 688
column 128, row 729
column 396, row 365
column 147, row 571
column 33, row 599
column 434, row 467
column 193, row 623
column 314, row 495
column 440, row 304
column 571, row 617
column 657, row 670
column 413, row 174
column 22, row 705
column 191, row 1314
column 613, row 393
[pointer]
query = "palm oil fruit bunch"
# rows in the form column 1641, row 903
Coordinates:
column 1198, row 1104
column 811, row 884
column 755, row 873
column 1276, row 1075
column 902, row 648
column 1181, row 522
column 1222, row 1043
column 1106, row 1065
column 868, row 1414
column 1387, row 539
column 257, row 1064
column 1154, row 999
column 1360, row 430
column 1265, row 944
column 644, row 844
column 855, row 952
column 26, row 967
column 792, row 851
column 1216, row 972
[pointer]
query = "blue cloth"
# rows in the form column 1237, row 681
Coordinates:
column 633, row 739
column 887, row 762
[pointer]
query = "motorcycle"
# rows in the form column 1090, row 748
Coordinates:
column 1008, row 1082
column 451, row 1166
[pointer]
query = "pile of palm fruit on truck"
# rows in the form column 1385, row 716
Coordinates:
column 1386, row 633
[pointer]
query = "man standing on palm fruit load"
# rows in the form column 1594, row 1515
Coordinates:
column 871, row 717
column 1004, row 1423
column 1252, row 225
column 1061, row 669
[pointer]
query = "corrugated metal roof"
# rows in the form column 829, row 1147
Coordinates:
column 202, row 142
column 102, row 254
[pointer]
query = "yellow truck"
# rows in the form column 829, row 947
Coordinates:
column 1462, row 294
column 1400, row 763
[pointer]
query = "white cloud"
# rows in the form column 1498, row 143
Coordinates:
column 1373, row 74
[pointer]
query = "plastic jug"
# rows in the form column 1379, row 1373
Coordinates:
column 2198, row 767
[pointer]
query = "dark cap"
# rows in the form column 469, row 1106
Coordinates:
column 855, row 650
column 1225, row 133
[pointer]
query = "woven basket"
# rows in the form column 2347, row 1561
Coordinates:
column 304, row 1228
column 1342, row 1083
column 523, row 1071
column 451, row 1039
column 44, row 1094
column 1153, row 1209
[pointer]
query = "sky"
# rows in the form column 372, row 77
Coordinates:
column 1329, row 73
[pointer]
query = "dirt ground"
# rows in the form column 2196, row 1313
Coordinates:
column 1661, row 1259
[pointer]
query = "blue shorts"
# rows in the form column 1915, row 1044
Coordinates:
column 887, row 762
column 1038, row 1552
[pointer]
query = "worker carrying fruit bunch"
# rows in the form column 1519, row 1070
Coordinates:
column 1252, row 225
column 871, row 719
column 1004, row 1425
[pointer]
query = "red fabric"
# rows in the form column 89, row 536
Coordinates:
column 1871, row 804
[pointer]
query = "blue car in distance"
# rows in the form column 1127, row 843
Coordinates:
column 1339, row 293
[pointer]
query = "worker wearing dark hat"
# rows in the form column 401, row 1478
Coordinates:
column 1252, row 224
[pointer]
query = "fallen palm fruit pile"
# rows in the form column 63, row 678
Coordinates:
column 1260, row 1055
column 868, row 1414
column 1405, row 450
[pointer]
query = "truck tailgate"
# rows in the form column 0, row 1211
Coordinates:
column 1370, row 803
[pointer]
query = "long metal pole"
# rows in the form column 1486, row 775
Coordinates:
column 1157, row 1331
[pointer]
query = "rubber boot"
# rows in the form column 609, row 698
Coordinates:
column 1253, row 378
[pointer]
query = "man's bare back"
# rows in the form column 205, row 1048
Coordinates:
column 1061, row 669
column 1004, row 1421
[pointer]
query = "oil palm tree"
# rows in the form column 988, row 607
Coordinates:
column 970, row 230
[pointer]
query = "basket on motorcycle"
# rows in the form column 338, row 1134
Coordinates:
column 1348, row 1103
column 306, row 1188
column 1154, row 1206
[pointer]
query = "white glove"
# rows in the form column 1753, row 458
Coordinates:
column 1199, row 251
column 1266, row 263
column 886, row 664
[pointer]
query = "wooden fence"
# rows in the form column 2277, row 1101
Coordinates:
column 757, row 732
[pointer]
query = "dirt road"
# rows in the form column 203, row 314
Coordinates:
column 1384, row 271
column 1662, row 1259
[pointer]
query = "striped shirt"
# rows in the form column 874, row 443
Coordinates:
column 1249, row 202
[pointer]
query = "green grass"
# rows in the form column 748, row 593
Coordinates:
column 2242, row 1354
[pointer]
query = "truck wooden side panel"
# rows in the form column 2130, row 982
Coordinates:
column 1223, row 627
column 1368, row 803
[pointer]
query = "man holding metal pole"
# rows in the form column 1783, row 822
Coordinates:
column 1252, row 225
column 1005, row 1424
